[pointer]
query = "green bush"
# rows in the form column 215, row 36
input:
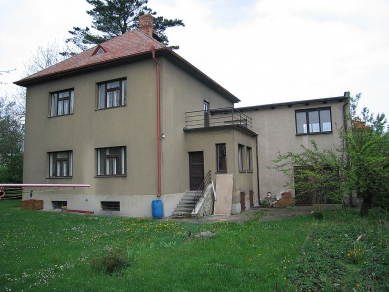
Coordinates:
column 112, row 263
column 265, row 203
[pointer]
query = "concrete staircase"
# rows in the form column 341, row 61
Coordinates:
column 185, row 206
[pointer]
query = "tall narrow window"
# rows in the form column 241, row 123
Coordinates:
column 248, row 159
column 112, row 94
column 240, row 157
column 61, row 164
column 62, row 103
column 221, row 157
column 111, row 161
column 206, row 113
column 313, row 121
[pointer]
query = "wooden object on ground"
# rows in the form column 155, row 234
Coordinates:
column 32, row 204
column 286, row 200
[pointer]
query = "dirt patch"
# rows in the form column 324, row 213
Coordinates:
column 267, row 214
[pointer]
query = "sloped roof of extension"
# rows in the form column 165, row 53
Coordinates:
column 130, row 47
column 293, row 103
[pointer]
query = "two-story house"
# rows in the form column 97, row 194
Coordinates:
column 133, row 119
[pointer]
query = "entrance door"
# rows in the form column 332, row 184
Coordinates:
column 196, row 169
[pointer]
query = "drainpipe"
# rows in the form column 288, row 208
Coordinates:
column 158, row 81
column 256, row 146
column 347, row 95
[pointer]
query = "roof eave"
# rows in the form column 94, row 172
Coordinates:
column 165, row 52
column 294, row 103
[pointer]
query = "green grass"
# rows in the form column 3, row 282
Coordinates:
column 44, row 251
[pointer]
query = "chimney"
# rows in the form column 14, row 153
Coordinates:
column 146, row 24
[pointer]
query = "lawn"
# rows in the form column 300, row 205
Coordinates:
column 47, row 251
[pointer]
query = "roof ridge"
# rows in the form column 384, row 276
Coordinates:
column 155, row 40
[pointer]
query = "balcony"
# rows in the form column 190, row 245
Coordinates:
column 216, row 118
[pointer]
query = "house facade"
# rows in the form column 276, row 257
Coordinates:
column 138, row 123
column 284, row 127
column 115, row 116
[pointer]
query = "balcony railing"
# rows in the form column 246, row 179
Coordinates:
column 216, row 118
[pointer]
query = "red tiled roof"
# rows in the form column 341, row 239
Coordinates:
column 131, row 43
column 129, row 47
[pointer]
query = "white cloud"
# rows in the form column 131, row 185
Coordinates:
column 289, row 50
column 263, row 51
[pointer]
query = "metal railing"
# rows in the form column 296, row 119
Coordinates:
column 201, row 190
column 216, row 118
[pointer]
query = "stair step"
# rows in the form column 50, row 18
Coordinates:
column 180, row 210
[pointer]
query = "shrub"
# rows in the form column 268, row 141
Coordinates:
column 265, row 203
column 112, row 263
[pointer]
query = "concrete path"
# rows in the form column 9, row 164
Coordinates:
column 269, row 215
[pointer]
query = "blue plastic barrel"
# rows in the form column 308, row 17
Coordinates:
column 157, row 209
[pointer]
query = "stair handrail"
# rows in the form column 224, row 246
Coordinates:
column 201, row 190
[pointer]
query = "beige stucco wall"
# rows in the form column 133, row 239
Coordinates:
column 133, row 126
column 276, row 130
column 88, row 129
column 180, row 93
column 205, row 140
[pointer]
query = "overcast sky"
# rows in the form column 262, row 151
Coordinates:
column 262, row 51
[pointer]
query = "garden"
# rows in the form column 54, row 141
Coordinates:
column 53, row 251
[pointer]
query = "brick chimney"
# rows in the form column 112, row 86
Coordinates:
column 146, row 24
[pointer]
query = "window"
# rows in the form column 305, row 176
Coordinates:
column 110, row 205
column 111, row 161
column 112, row 94
column 61, row 164
column 62, row 103
column 248, row 159
column 221, row 157
column 206, row 113
column 240, row 157
column 313, row 121
column 59, row 204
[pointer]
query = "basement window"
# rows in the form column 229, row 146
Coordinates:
column 59, row 204
column 110, row 205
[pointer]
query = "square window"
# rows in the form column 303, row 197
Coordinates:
column 313, row 121
column 62, row 103
column 112, row 94
column 61, row 164
column 221, row 157
column 111, row 161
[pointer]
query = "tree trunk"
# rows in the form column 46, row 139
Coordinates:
column 367, row 204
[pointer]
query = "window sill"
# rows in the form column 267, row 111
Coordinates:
column 242, row 171
column 59, row 177
column 318, row 133
column 50, row 117
column 221, row 171
column 108, row 176
column 107, row 108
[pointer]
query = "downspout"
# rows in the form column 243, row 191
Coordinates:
column 256, row 146
column 158, row 81
column 347, row 95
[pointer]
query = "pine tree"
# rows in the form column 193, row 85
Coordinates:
column 116, row 17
